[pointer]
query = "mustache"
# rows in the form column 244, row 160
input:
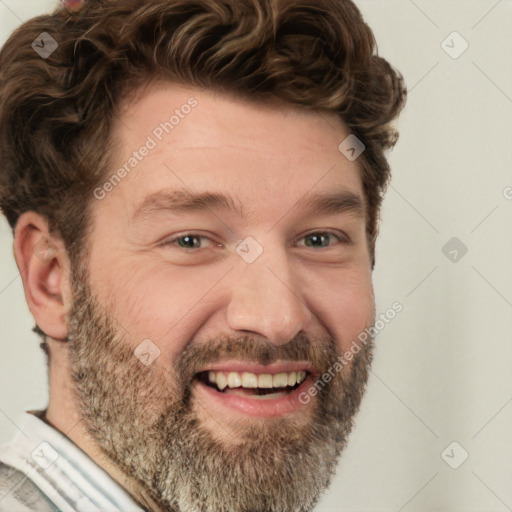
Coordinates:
column 321, row 352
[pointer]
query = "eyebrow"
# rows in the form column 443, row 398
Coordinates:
column 186, row 201
column 335, row 202
column 179, row 201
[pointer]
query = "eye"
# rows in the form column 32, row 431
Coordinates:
column 190, row 241
column 321, row 239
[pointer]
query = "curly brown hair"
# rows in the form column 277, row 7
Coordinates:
column 56, row 113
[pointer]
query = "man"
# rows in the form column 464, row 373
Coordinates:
column 194, row 187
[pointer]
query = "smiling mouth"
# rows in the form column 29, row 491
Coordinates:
column 252, row 384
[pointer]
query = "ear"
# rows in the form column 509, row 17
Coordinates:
column 45, row 269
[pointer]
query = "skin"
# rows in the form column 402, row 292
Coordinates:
column 269, row 158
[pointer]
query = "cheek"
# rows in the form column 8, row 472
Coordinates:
column 159, row 302
column 344, row 303
column 356, row 312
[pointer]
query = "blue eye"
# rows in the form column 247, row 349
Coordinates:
column 320, row 239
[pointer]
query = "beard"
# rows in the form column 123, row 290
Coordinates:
column 146, row 419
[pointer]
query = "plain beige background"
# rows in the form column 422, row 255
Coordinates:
column 442, row 371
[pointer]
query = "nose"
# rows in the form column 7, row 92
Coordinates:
column 266, row 300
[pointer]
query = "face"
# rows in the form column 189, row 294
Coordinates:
column 227, row 272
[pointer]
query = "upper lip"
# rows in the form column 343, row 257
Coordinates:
column 273, row 368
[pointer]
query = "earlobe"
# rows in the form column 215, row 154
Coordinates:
column 44, row 267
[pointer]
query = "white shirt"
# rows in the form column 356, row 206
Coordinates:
column 43, row 470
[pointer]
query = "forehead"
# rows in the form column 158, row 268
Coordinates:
column 263, row 154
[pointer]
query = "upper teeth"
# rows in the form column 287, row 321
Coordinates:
column 252, row 380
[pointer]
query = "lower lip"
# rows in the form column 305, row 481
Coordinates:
column 250, row 406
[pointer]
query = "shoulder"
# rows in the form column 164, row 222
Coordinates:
column 19, row 494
